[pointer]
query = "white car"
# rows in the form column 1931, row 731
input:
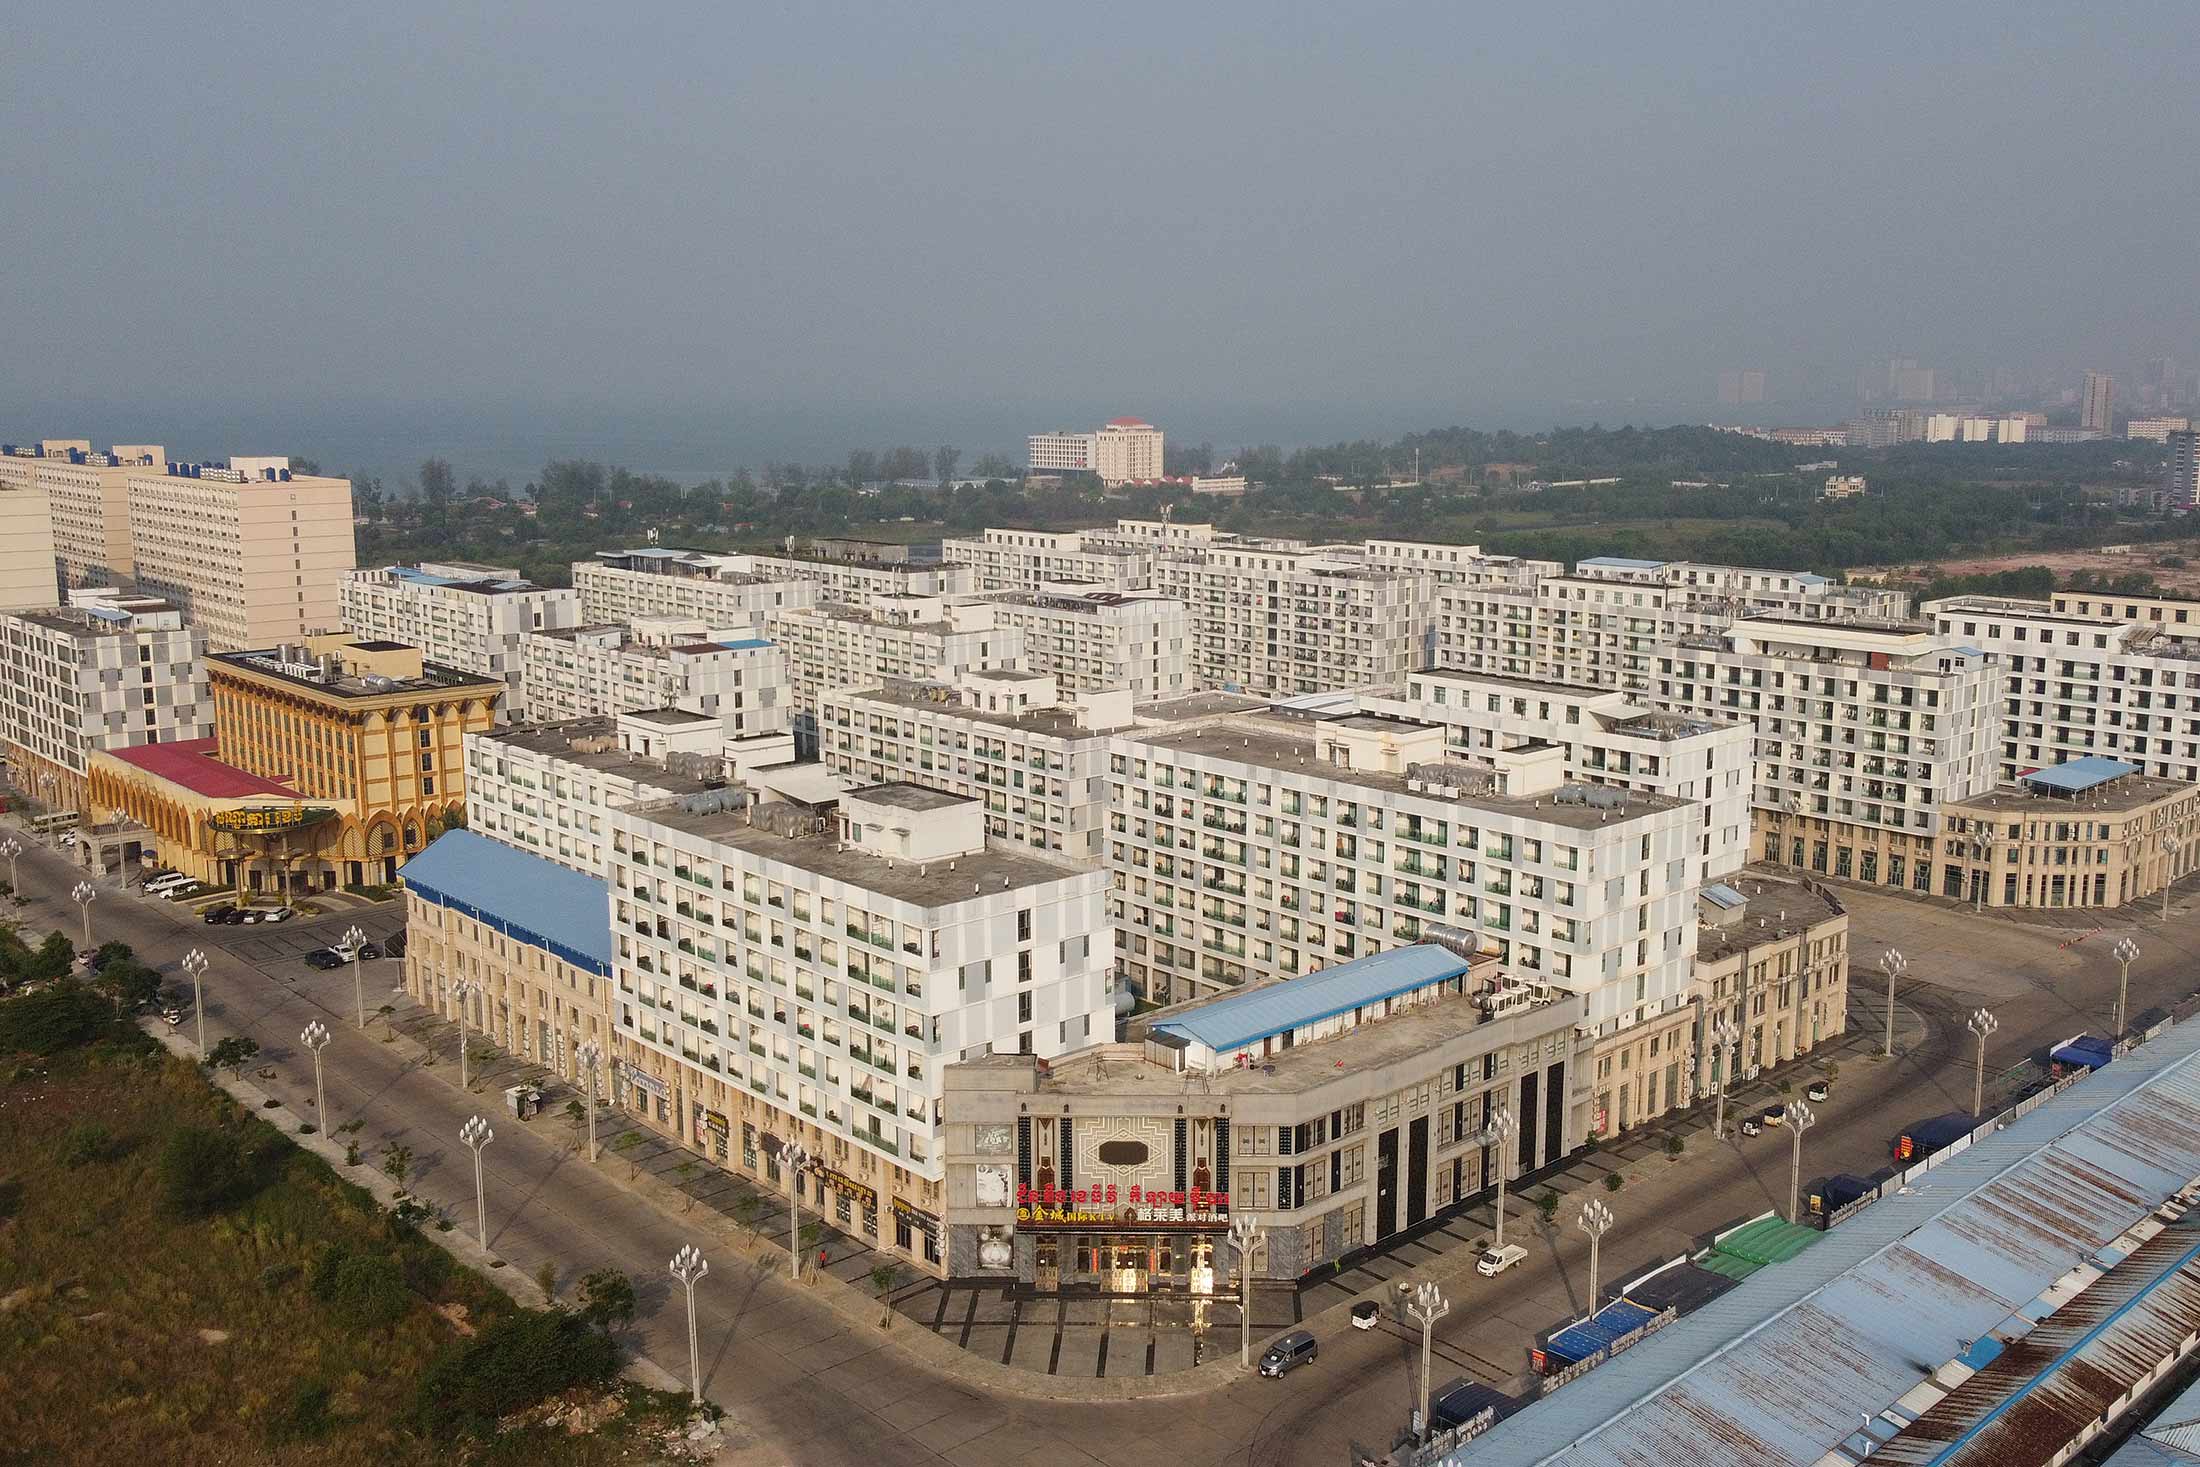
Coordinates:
column 1495, row 1261
column 159, row 884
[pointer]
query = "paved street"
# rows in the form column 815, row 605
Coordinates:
column 801, row 1383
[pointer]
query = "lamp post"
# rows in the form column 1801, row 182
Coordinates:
column 316, row 1038
column 353, row 939
column 11, row 848
column 462, row 993
column 794, row 1159
column 1982, row 848
column 1499, row 1132
column 1983, row 1024
column 84, row 892
column 1894, row 965
column 1799, row 1119
column 194, row 963
column 1424, row 1306
column 590, row 1055
column 1245, row 1236
column 1596, row 1219
column 1725, row 1034
column 688, row 1266
column 2127, row 953
column 2169, row 870
column 476, row 1134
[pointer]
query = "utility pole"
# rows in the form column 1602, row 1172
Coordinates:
column 476, row 1134
column 1983, row 1024
column 1245, row 1236
column 1499, row 1132
column 589, row 1054
column 2127, row 953
column 353, row 939
column 315, row 1038
column 1799, row 1119
column 1894, row 965
column 1596, row 1220
column 84, row 892
column 1725, row 1035
column 689, row 1266
column 794, row 1159
column 1424, row 1306
column 11, row 848
column 194, row 963
column 2169, row 870
column 462, row 992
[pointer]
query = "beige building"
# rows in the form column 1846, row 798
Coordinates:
column 27, row 577
column 255, row 554
column 2090, row 833
column 89, row 494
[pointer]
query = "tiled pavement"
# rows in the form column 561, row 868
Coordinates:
column 1087, row 1334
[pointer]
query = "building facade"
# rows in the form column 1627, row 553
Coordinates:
column 89, row 498
column 471, row 617
column 1299, row 621
column 1093, row 640
column 547, row 789
column 595, row 671
column 916, row 638
column 629, row 585
column 1025, row 560
column 1121, row 451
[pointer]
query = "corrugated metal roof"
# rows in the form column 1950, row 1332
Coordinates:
column 2075, row 775
column 2177, row 1425
column 1247, row 1018
column 1620, row 562
column 1719, row 894
column 527, row 898
column 1782, row 1368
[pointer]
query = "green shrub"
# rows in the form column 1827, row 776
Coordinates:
column 361, row 1290
column 277, row 1277
column 203, row 1172
column 514, row 1362
column 1613, row 1181
column 302, row 1416
column 63, row 1016
column 607, row 1299
column 84, row 1143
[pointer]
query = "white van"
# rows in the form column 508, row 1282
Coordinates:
column 160, row 884
column 1495, row 1261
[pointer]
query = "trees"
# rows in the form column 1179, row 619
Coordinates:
column 944, row 460
column 437, row 484
column 203, row 1171
column 607, row 1299
column 52, row 1019
column 625, row 1143
column 514, row 1362
column 397, row 1161
column 233, row 1054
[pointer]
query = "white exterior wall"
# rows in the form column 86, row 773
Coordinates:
column 546, row 805
column 76, row 684
column 472, row 630
column 1141, row 644
column 1281, row 621
column 614, row 594
column 1023, row 560
column 856, row 583
column 840, row 647
column 597, row 671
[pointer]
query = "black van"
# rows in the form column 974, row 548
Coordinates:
column 1288, row 1354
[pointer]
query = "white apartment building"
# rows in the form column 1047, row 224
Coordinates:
column 1035, row 759
column 920, row 638
column 548, row 788
column 1270, row 620
column 89, row 496
column 781, row 978
column 105, row 674
column 1092, row 639
column 1024, row 560
column 252, row 552
column 856, row 582
column 1458, row 564
column 623, row 585
column 1603, row 737
column 2155, row 430
column 1156, row 535
column 1258, row 846
column 471, row 617
column 1123, row 450
column 660, row 662
column 1863, row 733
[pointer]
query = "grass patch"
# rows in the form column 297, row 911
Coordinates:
column 188, row 1287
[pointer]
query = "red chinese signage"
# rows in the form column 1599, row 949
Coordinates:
column 1109, row 1206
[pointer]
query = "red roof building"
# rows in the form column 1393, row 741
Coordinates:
column 191, row 763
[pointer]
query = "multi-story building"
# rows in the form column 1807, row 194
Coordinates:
column 1602, row 737
column 1256, row 847
column 918, row 638
column 1025, row 560
column 781, row 979
column 2181, row 476
column 592, row 671
column 89, row 495
column 2093, row 832
column 2155, row 430
column 624, row 585
column 1458, row 564
column 1772, row 959
column 1865, row 732
column 1333, row 1111
column 471, row 617
column 104, row 674
column 1091, row 639
column 856, row 579
column 1038, row 763
column 255, row 554
column 1156, row 536
column 2097, row 407
column 546, row 788
column 1273, row 620
column 28, row 576
column 1123, row 450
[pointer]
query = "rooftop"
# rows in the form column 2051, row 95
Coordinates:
column 87, row 622
column 1197, row 705
column 903, row 795
column 191, row 763
column 1565, row 690
column 1251, row 1014
column 669, row 717
column 556, row 740
column 2076, row 775
column 267, row 662
column 524, row 896
column 1057, row 722
column 2127, row 792
column 1771, row 911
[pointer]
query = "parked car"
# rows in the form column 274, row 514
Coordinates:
column 183, row 891
column 1495, row 1261
column 169, row 882
column 1818, row 1090
column 277, row 914
column 1750, row 1126
column 233, row 917
column 1366, row 1314
column 217, row 914
column 1288, row 1354
column 1774, row 1115
column 324, row 958
column 368, row 952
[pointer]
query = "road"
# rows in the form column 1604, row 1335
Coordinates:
column 800, row 1384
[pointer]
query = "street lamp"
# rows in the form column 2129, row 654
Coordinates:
column 476, row 1134
column 194, row 963
column 688, row 1266
column 2169, row 870
column 1725, row 1034
column 1245, row 1236
column 462, row 992
column 1799, row 1119
column 315, row 1038
column 353, row 940
column 2127, row 953
column 1499, row 1132
column 1596, row 1220
column 11, row 848
column 1894, row 965
column 794, row 1159
column 1424, row 1306
column 1982, row 849
column 84, row 892
column 589, row 1055
column 1982, row 1023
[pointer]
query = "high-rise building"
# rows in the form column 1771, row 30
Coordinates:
column 1275, row 620
column 90, row 498
column 620, row 585
column 1092, row 640
column 2097, row 407
column 252, row 552
column 2182, row 477
column 471, row 617
column 1122, row 450
column 1024, row 560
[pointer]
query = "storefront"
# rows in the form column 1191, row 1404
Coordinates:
column 1139, row 1243
column 916, row 1231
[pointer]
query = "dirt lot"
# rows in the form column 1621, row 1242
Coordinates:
column 2144, row 559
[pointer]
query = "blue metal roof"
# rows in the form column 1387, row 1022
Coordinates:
column 746, row 644
column 419, row 577
column 1721, row 895
column 1240, row 1019
column 2077, row 775
column 565, row 912
column 1620, row 562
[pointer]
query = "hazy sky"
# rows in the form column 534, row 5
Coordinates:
column 798, row 227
